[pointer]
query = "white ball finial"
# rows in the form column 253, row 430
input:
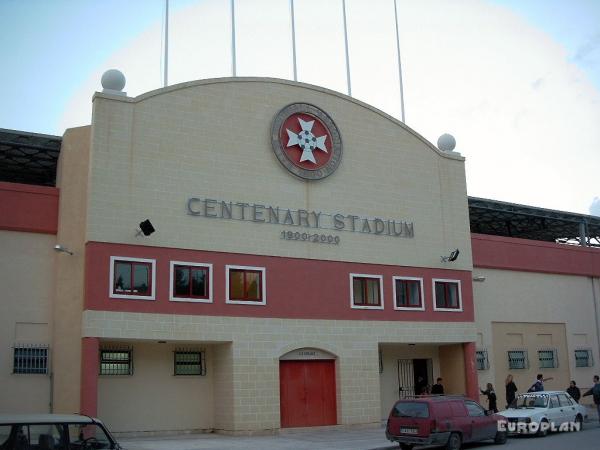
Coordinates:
column 446, row 142
column 113, row 80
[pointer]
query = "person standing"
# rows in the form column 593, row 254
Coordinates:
column 420, row 386
column 538, row 386
column 595, row 392
column 491, row 395
column 438, row 387
column 574, row 391
column 511, row 389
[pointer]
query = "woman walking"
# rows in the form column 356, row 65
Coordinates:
column 511, row 389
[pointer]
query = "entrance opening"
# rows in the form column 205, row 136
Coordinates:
column 414, row 377
column 422, row 376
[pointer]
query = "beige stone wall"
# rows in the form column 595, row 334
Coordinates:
column 247, row 357
column 153, row 398
column 211, row 139
column 531, row 337
column 223, row 386
column 72, row 179
column 27, row 284
column 529, row 303
column 452, row 369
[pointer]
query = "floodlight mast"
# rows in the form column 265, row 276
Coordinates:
column 166, row 64
column 399, row 64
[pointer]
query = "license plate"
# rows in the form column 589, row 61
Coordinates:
column 407, row 430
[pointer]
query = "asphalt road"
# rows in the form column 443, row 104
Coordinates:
column 350, row 439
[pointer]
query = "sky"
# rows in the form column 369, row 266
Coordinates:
column 516, row 82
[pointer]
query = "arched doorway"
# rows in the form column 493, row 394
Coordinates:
column 307, row 388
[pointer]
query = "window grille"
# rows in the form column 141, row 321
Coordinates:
column 481, row 360
column 583, row 358
column 116, row 361
column 30, row 358
column 548, row 359
column 189, row 362
column 517, row 359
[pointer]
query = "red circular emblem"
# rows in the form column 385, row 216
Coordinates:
column 306, row 141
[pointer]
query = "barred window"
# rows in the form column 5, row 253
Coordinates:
column 583, row 358
column 189, row 363
column 30, row 359
column 481, row 360
column 548, row 359
column 517, row 359
column 116, row 362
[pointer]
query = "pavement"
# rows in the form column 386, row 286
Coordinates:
column 326, row 438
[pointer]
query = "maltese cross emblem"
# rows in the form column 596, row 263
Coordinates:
column 307, row 141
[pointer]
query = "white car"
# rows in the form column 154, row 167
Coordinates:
column 540, row 412
column 54, row 431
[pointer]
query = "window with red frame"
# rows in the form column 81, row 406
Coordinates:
column 365, row 291
column 447, row 295
column 408, row 293
column 190, row 282
column 132, row 278
column 245, row 285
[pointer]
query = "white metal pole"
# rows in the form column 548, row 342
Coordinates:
column 399, row 63
column 293, row 41
column 233, row 56
column 346, row 44
column 166, row 69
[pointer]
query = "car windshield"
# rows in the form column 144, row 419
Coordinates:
column 530, row 401
column 410, row 409
column 88, row 436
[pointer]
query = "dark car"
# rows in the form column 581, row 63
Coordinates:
column 447, row 421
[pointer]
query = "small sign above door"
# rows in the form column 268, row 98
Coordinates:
column 307, row 353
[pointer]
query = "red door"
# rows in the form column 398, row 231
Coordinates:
column 307, row 390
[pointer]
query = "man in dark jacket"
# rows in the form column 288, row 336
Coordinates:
column 438, row 387
column 595, row 391
column 574, row 391
column 538, row 386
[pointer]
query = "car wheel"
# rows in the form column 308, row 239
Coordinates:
column 543, row 431
column 501, row 437
column 454, row 442
column 579, row 423
column 406, row 446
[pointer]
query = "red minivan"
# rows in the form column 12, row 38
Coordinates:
column 442, row 420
